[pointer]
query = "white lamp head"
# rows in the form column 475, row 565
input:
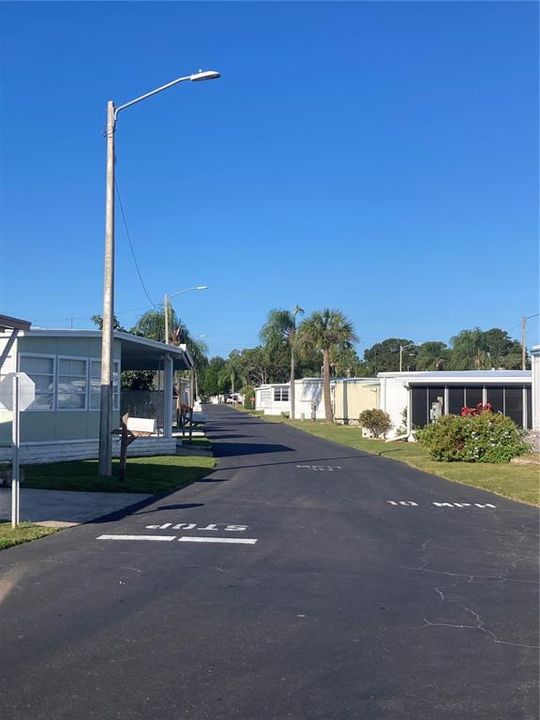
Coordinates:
column 204, row 75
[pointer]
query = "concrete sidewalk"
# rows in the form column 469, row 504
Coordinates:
column 65, row 508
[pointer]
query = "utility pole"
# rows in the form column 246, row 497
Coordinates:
column 297, row 310
column 523, row 343
column 105, row 415
column 166, row 306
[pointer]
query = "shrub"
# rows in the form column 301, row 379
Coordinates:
column 376, row 421
column 248, row 391
column 480, row 436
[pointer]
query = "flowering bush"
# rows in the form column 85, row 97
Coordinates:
column 480, row 408
column 477, row 436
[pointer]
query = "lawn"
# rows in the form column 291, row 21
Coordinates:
column 517, row 482
column 26, row 531
column 144, row 475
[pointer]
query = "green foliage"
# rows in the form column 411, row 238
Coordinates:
column 432, row 356
column 486, row 437
column 210, row 378
column 376, row 421
column 384, row 356
column 137, row 380
column 98, row 321
column 248, row 391
column 478, row 349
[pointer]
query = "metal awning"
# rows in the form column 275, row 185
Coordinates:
column 140, row 353
column 15, row 325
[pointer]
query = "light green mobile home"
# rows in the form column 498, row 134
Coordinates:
column 65, row 366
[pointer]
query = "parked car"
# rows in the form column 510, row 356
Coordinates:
column 234, row 399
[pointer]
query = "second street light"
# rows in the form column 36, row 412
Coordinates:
column 166, row 299
column 105, row 408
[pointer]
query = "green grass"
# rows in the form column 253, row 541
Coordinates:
column 199, row 442
column 24, row 533
column 517, row 482
column 144, row 475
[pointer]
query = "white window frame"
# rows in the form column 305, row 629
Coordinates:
column 87, row 382
column 48, row 357
column 280, row 391
column 117, row 387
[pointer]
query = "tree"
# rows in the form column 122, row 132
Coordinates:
column 210, row 380
column 98, row 321
column 432, row 355
column 280, row 329
column 327, row 330
column 478, row 349
column 345, row 362
column 384, row 356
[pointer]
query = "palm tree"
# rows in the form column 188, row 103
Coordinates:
column 470, row 351
column 327, row 330
column 278, row 330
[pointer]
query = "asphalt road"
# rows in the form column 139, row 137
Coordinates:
column 348, row 604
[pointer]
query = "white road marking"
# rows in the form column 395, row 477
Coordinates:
column 193, row 526
column 452, row 505
column 162, row 538
column 322, row 468
column 238, row 541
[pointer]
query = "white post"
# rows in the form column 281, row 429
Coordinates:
column 166, row 307
column 106, row 400
column 15, row 435
column 168, row 396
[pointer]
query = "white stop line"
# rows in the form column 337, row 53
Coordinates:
column 183, row 538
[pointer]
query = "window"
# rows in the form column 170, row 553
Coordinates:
column 95, row 385
column 495, row 397
column 72, row 384
column 281, row 394
column 40, row 369
column 473, row 395
column 419, row 414
column 513, row 403
column 456, row 400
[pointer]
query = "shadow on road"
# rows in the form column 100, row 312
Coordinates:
column 228, row 449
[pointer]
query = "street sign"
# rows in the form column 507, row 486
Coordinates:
column 27, row 391
column 17, row 392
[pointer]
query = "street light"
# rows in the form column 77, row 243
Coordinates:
column 105, row 408
column 401, row 349
column 166, row 299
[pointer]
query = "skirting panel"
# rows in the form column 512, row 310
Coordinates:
column 33, row 453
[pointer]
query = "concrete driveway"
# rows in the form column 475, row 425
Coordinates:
column 65, row 508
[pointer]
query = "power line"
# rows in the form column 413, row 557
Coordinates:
column 131, row 244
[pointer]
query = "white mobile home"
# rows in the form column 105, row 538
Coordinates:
column 273, row 398
column 535, row 355
column 414, row 399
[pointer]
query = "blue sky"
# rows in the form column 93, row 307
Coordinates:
column 380, row 158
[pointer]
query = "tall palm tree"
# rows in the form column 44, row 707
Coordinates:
column 278, row 330
column 327, row 330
